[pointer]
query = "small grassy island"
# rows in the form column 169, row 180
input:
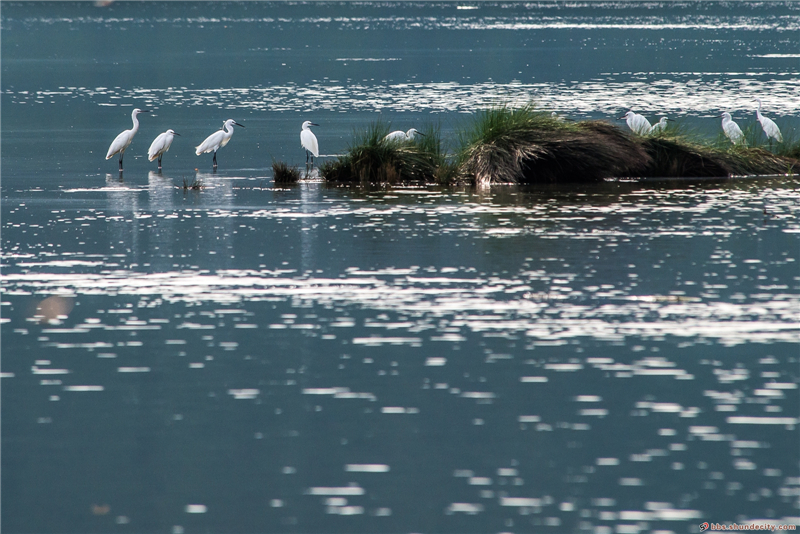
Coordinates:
column 284, row 174
column 528, row 146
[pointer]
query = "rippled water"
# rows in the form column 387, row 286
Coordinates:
column 269, row 65
column 248, row 358
column 676, row 95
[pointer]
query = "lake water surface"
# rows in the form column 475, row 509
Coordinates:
column 614, row 358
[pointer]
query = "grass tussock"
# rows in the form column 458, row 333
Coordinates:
column 790, row 147
column 528, row 146
column 758, row 160
column 372, row 160
column 678, row 158
column 523, row 145
column 679, row 153
column 791, row 150
column 282, row 173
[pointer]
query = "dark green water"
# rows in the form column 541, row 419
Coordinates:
column 250, row 358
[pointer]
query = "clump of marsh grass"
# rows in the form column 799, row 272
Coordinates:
column 678, row 157
column 430, row 147
column 526, row 146
column 284, row 174
column 674, row 157
column 677, row 152
column 758, row 160
column 790, row 147
column 754, row 135
column 372, row 160
column 790, row 150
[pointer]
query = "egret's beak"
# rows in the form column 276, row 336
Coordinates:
column 420, row 133
column 176, row 133
column 621, row 118
column 144, row 111
column 237, row 124
column 314, row 124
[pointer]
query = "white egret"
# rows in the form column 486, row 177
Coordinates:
column 160, row 145
column 217, row 140
column 309, row 141
column 123, row 140
column 659, row 126
column 637, row 123
column 770, row 128
column 399, row 137
column 731, row 129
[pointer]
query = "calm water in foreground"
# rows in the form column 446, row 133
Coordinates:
column 248, row 358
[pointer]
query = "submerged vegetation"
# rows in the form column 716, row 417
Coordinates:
column 194, row 185
column 528, row 146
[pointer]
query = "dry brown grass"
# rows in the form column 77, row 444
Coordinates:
column 528, row 146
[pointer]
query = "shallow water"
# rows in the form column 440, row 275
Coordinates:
column 248, row 358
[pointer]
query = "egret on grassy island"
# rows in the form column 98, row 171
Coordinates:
column 731, row 129
column 309, row 141
column 123, row 140
column 637, row 123
column 399, row 137
column 217, row 140
column 770, row 128
column 660, row 126
column 160, row 145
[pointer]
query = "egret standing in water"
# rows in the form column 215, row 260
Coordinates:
column 770, row 128
column 217, row 140
column 731, row 129
column 160, row 145
column 123, row 140
column 660, row 126
column 399, row 137
column 637, row 123
column 309, row 142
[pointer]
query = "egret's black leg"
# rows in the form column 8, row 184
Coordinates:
column 215, row 158
column 159, row 163
column 307, row 154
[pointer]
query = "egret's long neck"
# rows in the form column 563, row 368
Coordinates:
column 135, row 122
column 228, row 134
column 758, row 111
